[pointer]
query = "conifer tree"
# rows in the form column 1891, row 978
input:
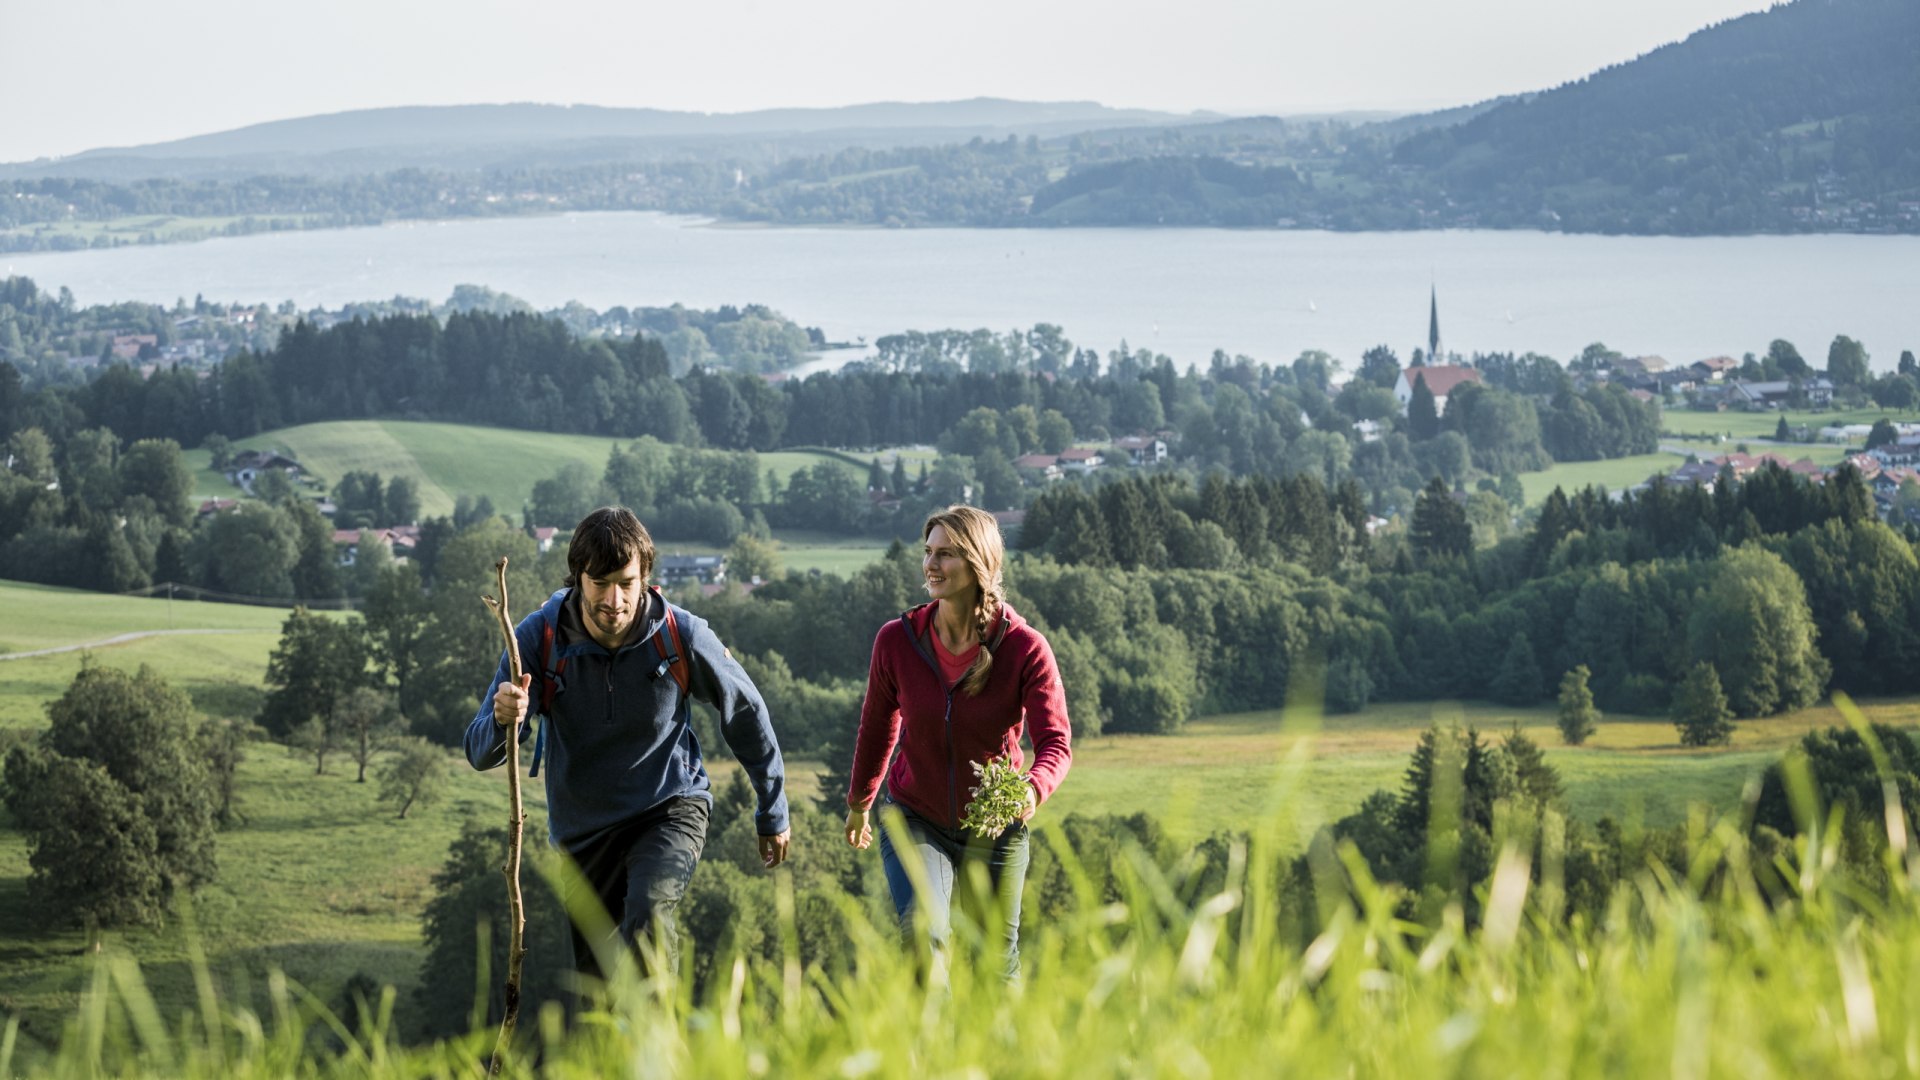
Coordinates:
column 1700, row 709
column 1533, row 777
column 1423, row 415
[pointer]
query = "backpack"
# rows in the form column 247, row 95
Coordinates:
column 666, row 645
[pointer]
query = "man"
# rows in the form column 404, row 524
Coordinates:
column 613, row 670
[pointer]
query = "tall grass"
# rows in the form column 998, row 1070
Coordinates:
column 1742, row 966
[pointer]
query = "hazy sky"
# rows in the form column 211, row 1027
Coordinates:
column 79, row 74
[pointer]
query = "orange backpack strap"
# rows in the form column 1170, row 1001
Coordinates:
column 550, row 684
column 673, row 651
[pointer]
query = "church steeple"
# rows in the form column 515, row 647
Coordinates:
column 1433, row 328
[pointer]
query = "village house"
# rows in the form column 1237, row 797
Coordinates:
column 1906, row 451
column 1640, row 365
column 1440, row 380
column 247, row 466
column 1714, row 368
column 128, row 346
column 1817, row 393
column 1707, row 472
column 399, row 540
column 1678, row 381
column 1704, row 473
column 1079, row 460
column 1042, row 468
column 1141, row 449
column 674, row 570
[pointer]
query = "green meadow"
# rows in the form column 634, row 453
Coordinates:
column 1216, row 774
column 1761, row 425
column 1615, row 474
column 160, row 228
column 449, row 460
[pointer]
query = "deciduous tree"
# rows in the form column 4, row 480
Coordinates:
column 1578, row 718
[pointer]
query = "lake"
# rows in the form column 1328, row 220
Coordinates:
column 1184, row 292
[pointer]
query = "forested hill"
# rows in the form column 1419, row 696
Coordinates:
column 1790, row 112
column 1170, row 191
column 462, row 137
column 1805, row 117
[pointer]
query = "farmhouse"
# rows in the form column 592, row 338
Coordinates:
column 1080, row 460
column 1041, row 467
column 1141, row 449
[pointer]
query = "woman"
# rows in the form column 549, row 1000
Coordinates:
column 954, row 682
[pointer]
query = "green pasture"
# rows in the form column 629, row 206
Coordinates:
column 217, row 653
column 1736, row 426
column 1218, row 774
column 803, row 550
column 446, row 461
column 800, row 549
column 45, row 616
column 165, row 228
column 1615, row 474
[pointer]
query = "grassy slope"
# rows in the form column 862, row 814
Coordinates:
column 448, row 460
column 319, row 880
column 44, row 616
column 1615, row 474
column 322, row 882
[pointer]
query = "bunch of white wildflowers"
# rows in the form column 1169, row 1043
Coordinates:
column 998, row 799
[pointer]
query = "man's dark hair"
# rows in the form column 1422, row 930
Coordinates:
column 607, row 540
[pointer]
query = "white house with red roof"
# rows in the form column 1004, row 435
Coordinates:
column 1440, row 379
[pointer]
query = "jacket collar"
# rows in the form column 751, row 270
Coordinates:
column 920, row 619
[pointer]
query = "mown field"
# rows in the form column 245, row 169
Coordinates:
column 1761, row 425
column 449, row 460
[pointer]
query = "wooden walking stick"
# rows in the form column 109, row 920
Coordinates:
column 516, row 905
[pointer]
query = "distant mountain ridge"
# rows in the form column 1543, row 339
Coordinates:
column 470, row 135
column 1801, row 118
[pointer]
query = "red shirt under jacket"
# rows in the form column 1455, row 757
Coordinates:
column 941, row 732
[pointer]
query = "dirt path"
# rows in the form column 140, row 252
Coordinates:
column 117, row 639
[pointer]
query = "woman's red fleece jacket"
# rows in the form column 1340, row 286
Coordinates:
column 941, row 730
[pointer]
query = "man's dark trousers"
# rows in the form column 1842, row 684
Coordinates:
column 639, row 870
